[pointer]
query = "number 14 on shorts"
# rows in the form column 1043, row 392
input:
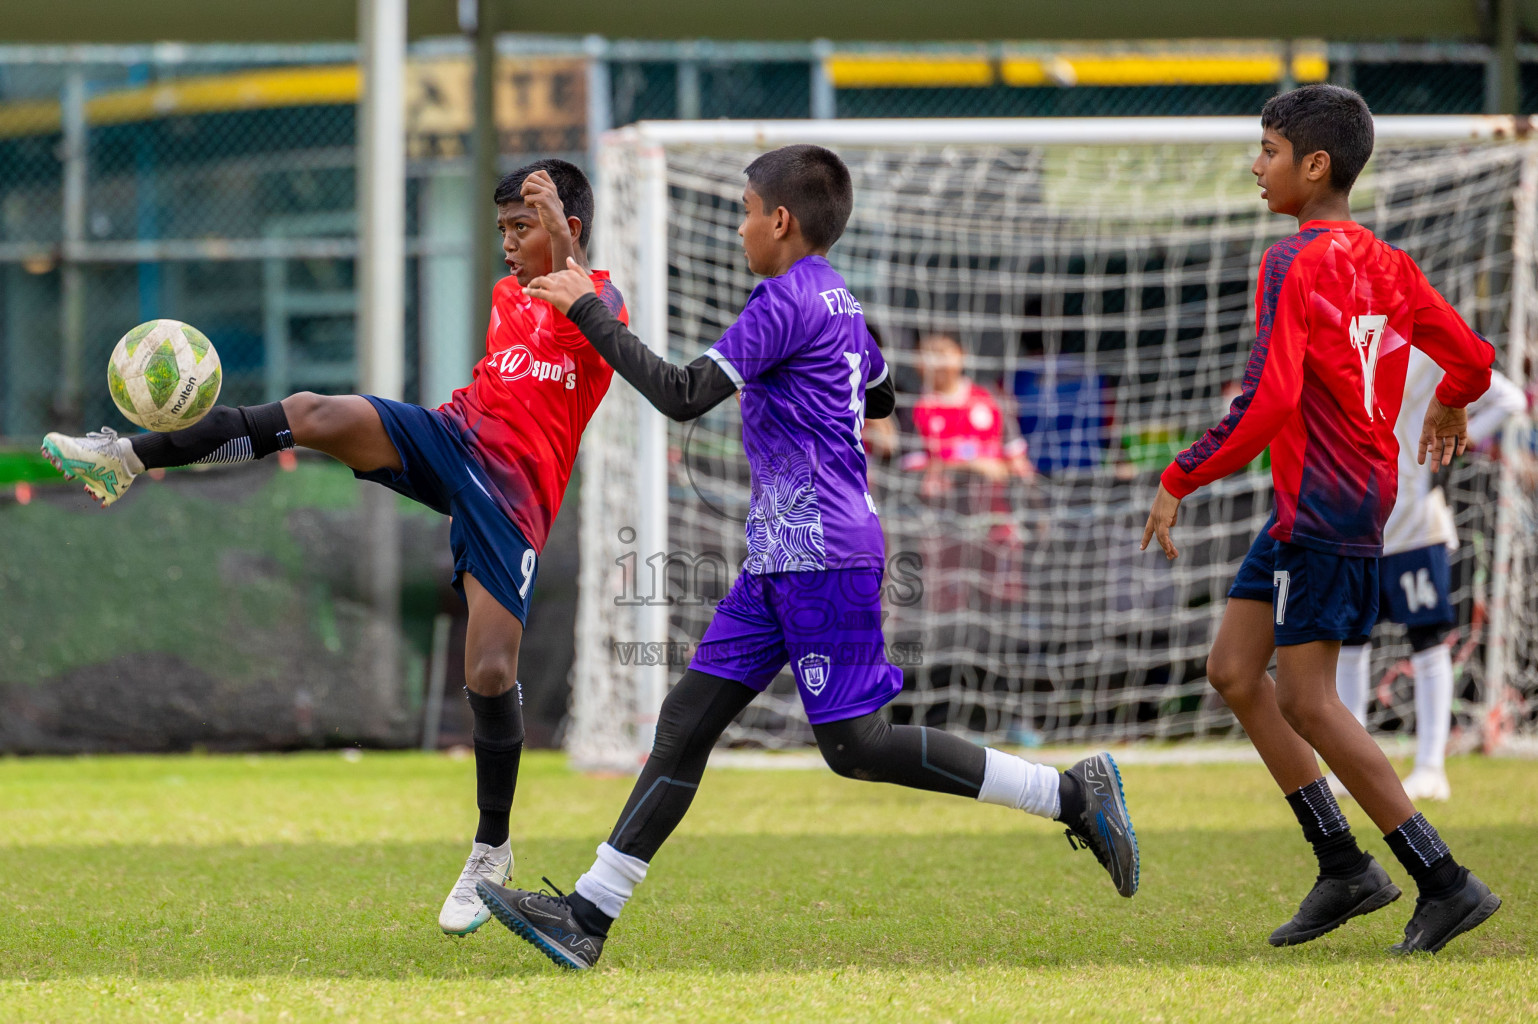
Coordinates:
column 1419, row 590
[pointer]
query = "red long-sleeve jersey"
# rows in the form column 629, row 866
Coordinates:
column 1336, row 311
column 524, row 410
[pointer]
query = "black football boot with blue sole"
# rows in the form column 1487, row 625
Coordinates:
column 1105, row 827
column 545, row 922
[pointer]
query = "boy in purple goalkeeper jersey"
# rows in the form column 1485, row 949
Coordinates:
column 809, row 593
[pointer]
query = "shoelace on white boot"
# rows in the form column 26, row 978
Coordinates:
column 106, row 441
column 103, row 437
column 476, row 868
column 482, row 864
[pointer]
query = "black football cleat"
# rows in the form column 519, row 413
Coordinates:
column 544, row 922
column 1105, row 827
column 1435, row 923
column 1334, row 901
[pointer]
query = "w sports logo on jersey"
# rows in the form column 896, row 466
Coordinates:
column 517, row 363
column 1367, row 339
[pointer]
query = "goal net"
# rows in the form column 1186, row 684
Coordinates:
column 1099, row 278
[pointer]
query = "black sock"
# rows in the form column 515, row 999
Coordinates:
column 1426, row 857
column 225, row 435
column 1326, row 829
column 498, row 748
column 1070, row 795
column 592, row 920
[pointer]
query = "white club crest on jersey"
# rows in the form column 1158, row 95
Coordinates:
column 815, row 670
column 1367, row 338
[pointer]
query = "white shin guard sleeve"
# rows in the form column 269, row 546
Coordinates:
column 1015, row 782
column 612, row 879
column 1433, row 705
column 1351, row 679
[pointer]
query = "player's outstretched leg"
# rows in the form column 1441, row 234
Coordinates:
column 570, row 928
column 1087, row 798
column 107, row 463
column 345, row 427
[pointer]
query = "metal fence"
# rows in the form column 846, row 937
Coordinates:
column 217, row 185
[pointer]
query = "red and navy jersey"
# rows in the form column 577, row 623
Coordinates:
column 1336, row 312
column 524, row 411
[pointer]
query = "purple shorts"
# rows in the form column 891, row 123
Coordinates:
column 827, row 624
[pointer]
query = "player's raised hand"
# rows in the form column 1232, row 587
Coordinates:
column 540, row 194
column 563, row 287
column 1444, row 433
column 1161, row 519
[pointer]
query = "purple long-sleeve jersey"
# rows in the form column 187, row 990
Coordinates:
column 802, row 358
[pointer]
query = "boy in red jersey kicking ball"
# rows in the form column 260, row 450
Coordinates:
column 1337, row 311
column 496, row 458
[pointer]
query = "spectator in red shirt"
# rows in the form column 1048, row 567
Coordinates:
column 961, row 424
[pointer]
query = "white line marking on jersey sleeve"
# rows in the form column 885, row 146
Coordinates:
column 726, row 366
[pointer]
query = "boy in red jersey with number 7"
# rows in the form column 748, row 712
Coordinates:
column 496, row 458
column 1337, row 311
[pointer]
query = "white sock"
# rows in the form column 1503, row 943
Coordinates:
column 612, row 879
column 1351, row 670
column 1433, row 705
column 125, row 450
column 1015, row 782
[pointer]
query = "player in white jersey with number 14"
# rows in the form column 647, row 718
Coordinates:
column 1415, row 579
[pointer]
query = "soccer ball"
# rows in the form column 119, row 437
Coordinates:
column 164, row 375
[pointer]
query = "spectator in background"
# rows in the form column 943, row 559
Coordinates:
column 961, row 425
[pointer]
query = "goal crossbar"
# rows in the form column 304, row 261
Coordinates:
column 1042, row 131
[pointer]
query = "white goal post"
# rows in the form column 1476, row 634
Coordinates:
column 1099, row 274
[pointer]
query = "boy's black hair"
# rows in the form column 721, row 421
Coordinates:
column 570, row 184
column 1327, row 117
column 812, row 183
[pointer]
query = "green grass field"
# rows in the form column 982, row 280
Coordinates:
column 306, row 887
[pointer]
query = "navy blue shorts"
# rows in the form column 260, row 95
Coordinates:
column 1314, row 595
column 1415, row 585
column 439, row 471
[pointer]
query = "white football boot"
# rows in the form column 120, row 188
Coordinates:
column 96, row 460
column 1427, row 784
column 463, row 912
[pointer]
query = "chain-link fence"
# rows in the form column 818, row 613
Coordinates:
column 217, row 185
